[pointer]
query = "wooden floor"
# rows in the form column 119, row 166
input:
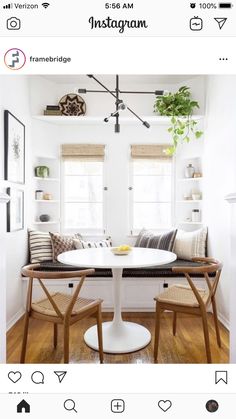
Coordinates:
column 186, row 347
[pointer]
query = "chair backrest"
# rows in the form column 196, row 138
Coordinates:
column 209, row 266
column 32, row 272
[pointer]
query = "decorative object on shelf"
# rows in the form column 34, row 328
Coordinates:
column 72, row 105
column 52, row 113
column 42, row 171
column 53, row 110
column 47, row 196
column 187, row 197
column 119, row 103
column 14, row 151
column 39, row 195
column 189, row 171
column 44, row 218
column 196, row 195
column 15, row 210
column 197, row 174
column 179, row 106
column 196, row 218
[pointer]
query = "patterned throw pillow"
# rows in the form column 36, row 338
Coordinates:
column 40, row 246
column 190, row 244
column 82, row 244
column 62, row 244
column 163, row 241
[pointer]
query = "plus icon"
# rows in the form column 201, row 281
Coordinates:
column 117, row 406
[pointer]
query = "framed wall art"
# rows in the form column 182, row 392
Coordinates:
column 14, row 139
column 15, row 210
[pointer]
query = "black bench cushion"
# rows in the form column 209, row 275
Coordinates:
column 154, row 272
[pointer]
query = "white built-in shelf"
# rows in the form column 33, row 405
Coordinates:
column 46, row 222
column 47, row 201
column 47, row 179
column 191, row 222
column 189, row 201
column 190, row 157
column 97, row 120
column 189, row 179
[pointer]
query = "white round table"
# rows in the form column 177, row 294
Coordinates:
column 118, row 336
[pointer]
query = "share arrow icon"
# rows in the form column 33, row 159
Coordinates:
column 221, row 21
column 60, row 375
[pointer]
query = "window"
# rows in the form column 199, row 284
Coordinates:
column 151, row 192
column 83, row 203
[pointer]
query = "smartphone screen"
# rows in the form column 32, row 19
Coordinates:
column 118, row 209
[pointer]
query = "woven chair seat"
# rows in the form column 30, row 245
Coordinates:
column 62, row 301
column 182, row 295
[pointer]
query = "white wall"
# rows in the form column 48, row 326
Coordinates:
column 220, row 174
column 14, row 97
column 49, row 137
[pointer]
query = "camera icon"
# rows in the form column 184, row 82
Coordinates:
column 192, row 5
column 13, row 24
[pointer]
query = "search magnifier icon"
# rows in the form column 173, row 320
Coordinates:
column 69, row 405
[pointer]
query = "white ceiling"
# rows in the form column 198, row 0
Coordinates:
column 83, row 80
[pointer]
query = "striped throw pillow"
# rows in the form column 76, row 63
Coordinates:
column 163, row 241
column 40, row 246
column 83, row 244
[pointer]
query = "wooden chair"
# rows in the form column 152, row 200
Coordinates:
column 190, row 299
column 60, row 308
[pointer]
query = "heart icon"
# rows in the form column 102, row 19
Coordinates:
column 14, row 376
column 164, row 405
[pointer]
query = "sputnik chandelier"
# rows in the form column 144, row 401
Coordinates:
column 119, row 103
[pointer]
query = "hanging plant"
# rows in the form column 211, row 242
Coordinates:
column 179, row 106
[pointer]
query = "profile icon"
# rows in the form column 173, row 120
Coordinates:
column 15, row 59
column 212, row 406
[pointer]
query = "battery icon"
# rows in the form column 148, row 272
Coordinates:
column 225, row 5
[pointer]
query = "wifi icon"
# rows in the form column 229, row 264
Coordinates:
column 45, row 5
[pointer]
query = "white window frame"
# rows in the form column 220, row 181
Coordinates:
column 135, row 232
column 85, row 232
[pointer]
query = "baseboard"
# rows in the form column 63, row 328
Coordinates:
column 224, row 321
column 15, row 318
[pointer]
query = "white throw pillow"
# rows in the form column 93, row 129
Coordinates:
column 190, row 244
column 83, row 244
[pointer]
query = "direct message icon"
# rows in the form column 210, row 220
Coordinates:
column 221, row 377
column 60, row 375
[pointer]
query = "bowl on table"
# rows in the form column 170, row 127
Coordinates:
column 121, row 250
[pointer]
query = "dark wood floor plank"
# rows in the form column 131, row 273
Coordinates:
column 186, row 347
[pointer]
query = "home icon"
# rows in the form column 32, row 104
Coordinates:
column 23, row 407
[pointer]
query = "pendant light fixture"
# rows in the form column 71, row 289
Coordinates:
column 119, row 104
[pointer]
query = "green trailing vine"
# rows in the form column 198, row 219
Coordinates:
column 179, row 106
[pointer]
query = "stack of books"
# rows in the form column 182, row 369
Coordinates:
column 52, row 110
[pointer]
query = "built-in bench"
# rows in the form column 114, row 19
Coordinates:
column 154, row 272
column 139, row 288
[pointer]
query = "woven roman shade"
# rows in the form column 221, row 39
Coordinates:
column 149, row 151
column 85, row 152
